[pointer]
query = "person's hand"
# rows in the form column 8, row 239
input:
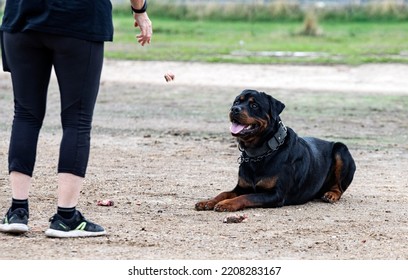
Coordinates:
column 145, row 25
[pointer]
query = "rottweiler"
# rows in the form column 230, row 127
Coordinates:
column 278, row 167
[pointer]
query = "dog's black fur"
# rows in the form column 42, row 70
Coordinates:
column 277, row 166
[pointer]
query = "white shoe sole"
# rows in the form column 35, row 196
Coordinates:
column 13, row 228
column 73, row 233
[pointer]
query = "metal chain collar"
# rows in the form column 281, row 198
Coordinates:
column 276, row 141
column 241, row 159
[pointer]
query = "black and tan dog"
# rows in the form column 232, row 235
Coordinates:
column 277, row 167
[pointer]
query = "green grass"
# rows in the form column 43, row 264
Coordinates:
column 220, row 41
column 254, row 41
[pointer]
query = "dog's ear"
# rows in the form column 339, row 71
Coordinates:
column 275, row 107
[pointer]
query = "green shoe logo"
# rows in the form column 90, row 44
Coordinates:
column 81, row 226
column 63, row 226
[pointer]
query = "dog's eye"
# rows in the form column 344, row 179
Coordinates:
column 254, row 105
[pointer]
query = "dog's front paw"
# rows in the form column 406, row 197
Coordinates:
column 331, row 197
column 205, row 205
column 228, row 205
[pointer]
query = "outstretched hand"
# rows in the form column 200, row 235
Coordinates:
column 145, row 25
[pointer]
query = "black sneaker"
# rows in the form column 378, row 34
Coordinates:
column 15, row 221
column 77, row 226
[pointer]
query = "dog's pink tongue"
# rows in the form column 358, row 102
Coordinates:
column 236, row 128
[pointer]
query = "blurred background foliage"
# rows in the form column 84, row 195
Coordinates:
column 266, row 31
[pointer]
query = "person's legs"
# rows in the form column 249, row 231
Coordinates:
column 20, row 183
column 30, row 67
column 78, row 66
column 69, row 188
column 69, row 222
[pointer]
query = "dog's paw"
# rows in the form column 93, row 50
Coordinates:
column 331, row 197
column 228, row 205
column 205, row 205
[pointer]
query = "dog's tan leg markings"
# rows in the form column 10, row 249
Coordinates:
column 209, row 204
column 233, row 204
column 267, row 183
column 335, row 191
column 224, row 196
column 242, row 183
column 244, row 201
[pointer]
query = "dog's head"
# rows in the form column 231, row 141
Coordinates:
column 254, row 115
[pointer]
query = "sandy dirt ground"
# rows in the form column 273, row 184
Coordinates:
column 158, row 148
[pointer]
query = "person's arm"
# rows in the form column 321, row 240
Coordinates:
column 142, row 21
column 137, row 4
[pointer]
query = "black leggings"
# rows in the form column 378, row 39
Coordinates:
column 78, row 64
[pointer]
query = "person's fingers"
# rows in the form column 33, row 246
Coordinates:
column 143, row 22
column 143, row 39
